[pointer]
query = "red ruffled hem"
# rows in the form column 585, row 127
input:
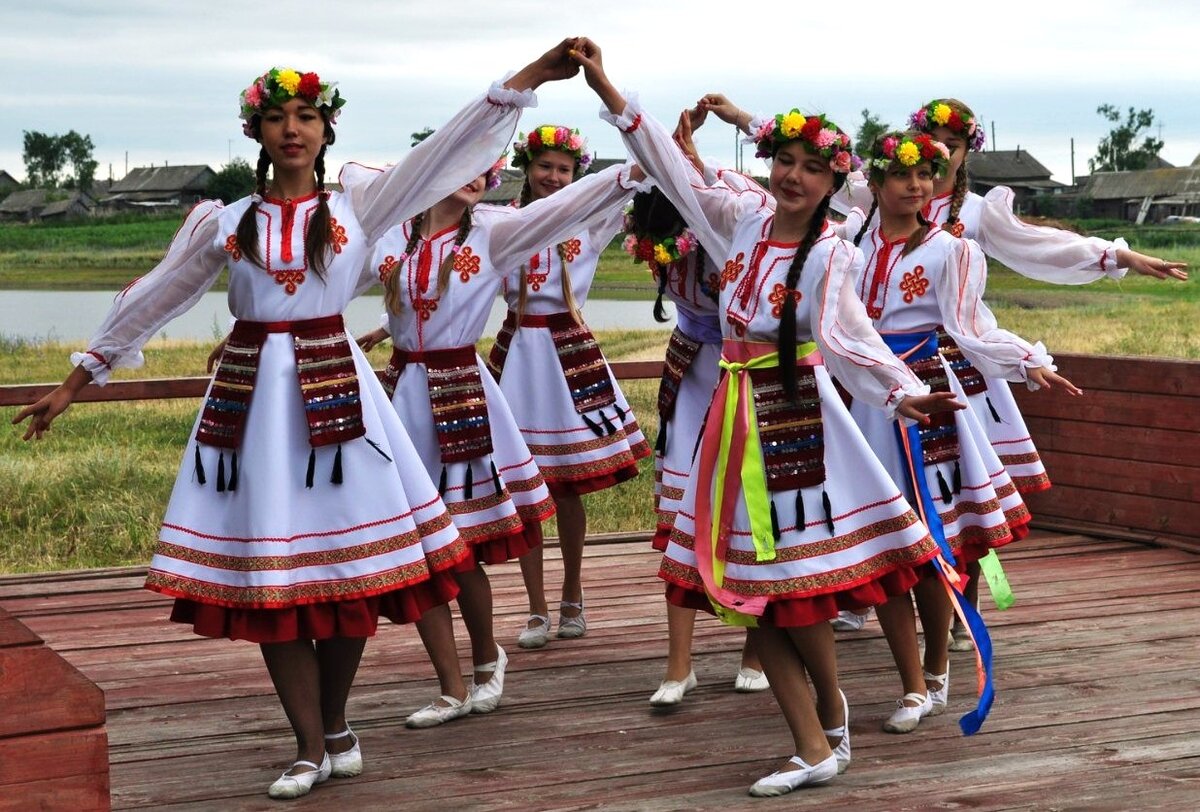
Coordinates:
column 812, row 609
column 508, row 548
column 357, row 617
column 662, row 535
column 578, row 487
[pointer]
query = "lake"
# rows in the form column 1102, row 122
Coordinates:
column 72, row 316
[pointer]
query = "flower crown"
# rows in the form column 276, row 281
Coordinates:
column 549, row 136
column 820, row 135
column 909, row 149
column 494, row 176
column 648, row 248
column 279, row 85
column 960, row 122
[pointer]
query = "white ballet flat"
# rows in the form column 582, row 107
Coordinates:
column 349, row 763
column 486, row 698
column 784, row 781
column 842, row 751
column 671, row 691
column 294, row 786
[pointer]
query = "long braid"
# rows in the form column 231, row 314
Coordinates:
column 867, row 222
column 320, row 227
column 787, row 320
column 391, row 286
column 567, row 292
column 960, row 194
column 523, row 293
column 247, row 227
column 464, row 228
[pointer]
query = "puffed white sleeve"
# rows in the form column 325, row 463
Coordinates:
column 190, row 267
column 592, row 203
column 712, row 212
column 1042, row 253
column 995, row 352
column 849, row 228
column 854, row 194
column 853, row 350
column 457, row 152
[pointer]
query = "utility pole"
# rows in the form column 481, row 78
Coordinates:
column 993, row 135
column 1072, row 161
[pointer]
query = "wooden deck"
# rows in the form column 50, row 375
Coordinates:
column 1098, row 705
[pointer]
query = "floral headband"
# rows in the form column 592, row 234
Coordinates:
column 960, row 122
column 279, row 85
column 494, row 176
column 549, row 136
column 819, row 134
column 647, row 248
column 909, row 149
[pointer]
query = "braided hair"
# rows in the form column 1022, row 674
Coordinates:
column 787, row 320
column 391, row 286
column 654, row 214
column 568, row 295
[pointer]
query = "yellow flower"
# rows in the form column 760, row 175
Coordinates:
column 908, row 153
column 792, row 124
column 941, row 114
column 547, row 135
column 660, row 255
column 289, row 80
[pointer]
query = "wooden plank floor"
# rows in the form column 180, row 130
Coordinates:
column 1098, row 704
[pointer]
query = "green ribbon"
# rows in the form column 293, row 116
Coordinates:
column 997, row 581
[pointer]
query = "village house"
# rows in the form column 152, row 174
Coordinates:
column 1014, row 168
column 8, row 184
column 33, row 205
column 1146, row 196
column 159, row 187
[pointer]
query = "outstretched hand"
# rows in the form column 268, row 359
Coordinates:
column 1152, row 266
column 552, row 66
column 52, row 405
column 587, row 54
column 215, row 355
column 368, row 341
column 919, row 407
column 724, row 109
column 683, row 137
column 1048, row 379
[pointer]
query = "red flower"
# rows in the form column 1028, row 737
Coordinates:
column 928, row 150
column 812, row 126
column 534, row 141
column 310, row 86
column 955, row 121
column 645, row 249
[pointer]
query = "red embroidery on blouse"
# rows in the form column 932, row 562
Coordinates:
column 571, row 249
column 289, row 280
column 425, row 308
column 777, row 297
column 914, row 283
column 337, row 235
column 466, row 262
column 957, row 229
column 637, row 122
column 231, row 245
column 536, row 279
column 388, row 267
column 733, row 267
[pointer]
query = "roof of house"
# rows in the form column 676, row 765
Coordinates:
column 164, row 179
column 24, row 200
column 1005, row 166
column 65, row 205
column 7, row 179
column 1181, row 181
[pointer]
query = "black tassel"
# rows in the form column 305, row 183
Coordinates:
column 496, row 479
column 442, row 483
column 336, row 476
column 828, row 511
column 221, row 473
column 609, row 428
column 800, row 524
column 947, row 497
column 199, row 467
column 312, row 468
column 593, row 425
column 660, row 442
column 233, row 472
column 468, row 484
column 957, row 478
column 617, row 408
column 992, row 409
column 774, row 521
column 375, row 446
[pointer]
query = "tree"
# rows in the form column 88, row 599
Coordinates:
column 420, row 136
column 234, row 181
column 1119, row 151
column 44, row 158
column 78, row 150
column 870, row 129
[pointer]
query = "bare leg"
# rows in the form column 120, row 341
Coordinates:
column 475, row 603
column 971, row 592
column 437, row 633
column 535, row 582
column 784, row 668
column 681, row 622
column 572, row 529
column 750, row 656
column 933, row 605
column 899, row 626
column 337, row 661
column 817, row 652
column 296, row 676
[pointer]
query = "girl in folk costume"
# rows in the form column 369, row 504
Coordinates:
column 266, row 536
column 685, row 274
column 920, row 281
column 575, row 419
column 441, row 274
column 772, row 532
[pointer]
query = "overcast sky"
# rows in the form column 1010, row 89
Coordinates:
column 158, row 81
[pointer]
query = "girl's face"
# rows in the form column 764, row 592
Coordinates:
column 905, row 189
column 472, row 193
column 292, row 135
column 957, row 146
column 550, row 171
column 799, row 180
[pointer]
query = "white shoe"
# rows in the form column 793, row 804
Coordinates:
column 349, row 763
column 784, row 781
column 906, row 717
column 749, row 681
column 671, row 691
column 537, row 636
column 938, row 697
column 842, row 751
column 848, row 621
column 486, row 698
column 293, row 786
column 960, row 639
column 434, row 714
column 571, row 627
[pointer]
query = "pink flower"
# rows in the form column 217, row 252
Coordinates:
column 825, row 138
column 841, row 162
column 919, row 117
column 765, row 130
column 889, row 146
column 629, row 246
column 575, row 142
column 562, row 135
column 683, row 243
column 254, row 95
column 942, row 148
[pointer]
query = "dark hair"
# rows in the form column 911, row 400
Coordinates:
column 960, row 177
column 320, row 229
column 655, row 216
